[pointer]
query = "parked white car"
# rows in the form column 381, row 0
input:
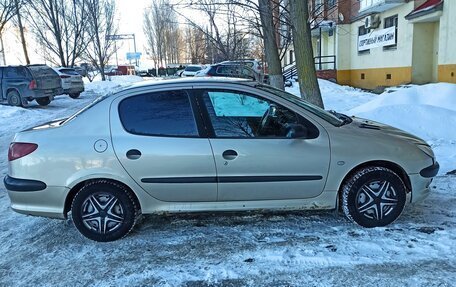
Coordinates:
column 191, row 70
column 72, row 82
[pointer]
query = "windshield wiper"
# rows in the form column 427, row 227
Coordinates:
column 344, row 118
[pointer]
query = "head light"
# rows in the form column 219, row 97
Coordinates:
column 426, row 149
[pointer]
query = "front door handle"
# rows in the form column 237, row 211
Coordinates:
column 133, row 154
column 229, row 154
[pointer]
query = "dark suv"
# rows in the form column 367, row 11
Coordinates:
column 21, row 84
column 230, row 71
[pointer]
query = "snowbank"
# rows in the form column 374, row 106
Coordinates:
column 428, row 111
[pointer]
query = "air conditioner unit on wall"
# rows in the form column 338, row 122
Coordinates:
column 372, row 21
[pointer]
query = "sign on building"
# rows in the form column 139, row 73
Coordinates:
column 377, row 38
column 133, row 56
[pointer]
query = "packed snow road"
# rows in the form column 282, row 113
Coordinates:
column 253, row 249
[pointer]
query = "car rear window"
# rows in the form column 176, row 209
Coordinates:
column 167, row 113
column 42, row 71
column 69, row 72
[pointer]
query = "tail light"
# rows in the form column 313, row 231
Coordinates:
column 64, row 77
column 18, row 150
column 32, row 85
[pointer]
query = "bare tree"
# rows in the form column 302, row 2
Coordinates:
column 162, row 33
column 17, row 4
column 101, row 25
column 270, row 43
column 305, row 64
column 196, row 45
column 59, row 26
column 228, row 36
column 7, row 11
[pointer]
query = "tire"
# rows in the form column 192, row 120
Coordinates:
column 373, row 196
column 43, row 101
column 75, row 95
column 14, row 98
column 104, row 211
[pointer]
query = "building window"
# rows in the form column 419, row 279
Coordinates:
column 363, row 31
column 331, row 3
column 291, row 56
column 391, row 22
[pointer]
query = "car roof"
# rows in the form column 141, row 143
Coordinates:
column 201, row 80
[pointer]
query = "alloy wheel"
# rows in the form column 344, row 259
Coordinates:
column 102, row 213
column 376, row 199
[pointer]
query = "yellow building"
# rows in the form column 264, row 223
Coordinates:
column 422, row 49
column 379, row 43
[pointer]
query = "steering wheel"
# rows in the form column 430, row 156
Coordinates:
column 266, row 120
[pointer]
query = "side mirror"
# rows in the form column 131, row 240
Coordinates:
column 296, row 131
column 272, row 112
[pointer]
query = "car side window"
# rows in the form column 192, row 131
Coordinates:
column 16, row 72
column 242, row 115
column 167, row 113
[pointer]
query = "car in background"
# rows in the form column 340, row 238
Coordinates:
column 251, row 63
column 230, row 71
column 141, row 71
column 81, row 70
column 72, row 82
column 121, row 70
column 212, row 144
column 23, row 84
column 191, row 70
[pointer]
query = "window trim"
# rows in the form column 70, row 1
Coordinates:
column 364, row 52
column 210, row 128
column 201, row 130
column 396, row 24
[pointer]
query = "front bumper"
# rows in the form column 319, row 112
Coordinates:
column 430, row 171
column 421, row 182
column 28, row 197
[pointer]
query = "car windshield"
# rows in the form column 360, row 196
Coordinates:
column 319, row 112
column 192, row 69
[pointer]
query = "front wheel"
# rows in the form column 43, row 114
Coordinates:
column 43, row 101
column 75, row 95
column 373, row 196
column 104, row 211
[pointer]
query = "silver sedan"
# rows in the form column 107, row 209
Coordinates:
column 198, row 145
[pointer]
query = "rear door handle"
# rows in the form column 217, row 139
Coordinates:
column 133, row 154
column 229, row 154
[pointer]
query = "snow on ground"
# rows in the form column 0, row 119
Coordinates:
column 251, row 249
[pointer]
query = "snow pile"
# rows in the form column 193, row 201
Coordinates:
column 428, row 111
column 337, row 97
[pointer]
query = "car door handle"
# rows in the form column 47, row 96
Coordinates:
column 133, row 154
column 229, row 154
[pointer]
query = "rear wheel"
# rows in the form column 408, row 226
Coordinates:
column 104, row 211
column 14, row 98
column 373, row 196
column 74, row 95
column 43, row 101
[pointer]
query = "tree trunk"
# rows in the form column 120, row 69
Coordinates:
column 21, row 31
column 302, row 42
column 270, row 44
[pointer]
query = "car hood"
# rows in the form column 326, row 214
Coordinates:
column 376, row 127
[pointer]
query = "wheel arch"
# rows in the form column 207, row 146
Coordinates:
column 379, row 163
column 74, row 190
column 11, row 89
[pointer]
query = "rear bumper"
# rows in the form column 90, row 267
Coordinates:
column 46, row 93
column 74, row 90
column 23, row 185
column 47, row 202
